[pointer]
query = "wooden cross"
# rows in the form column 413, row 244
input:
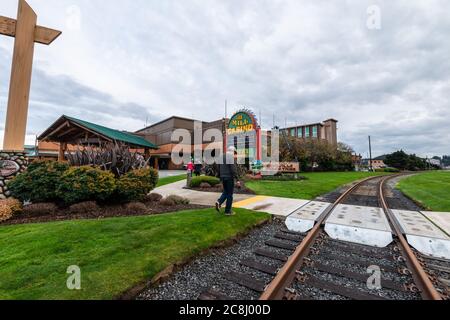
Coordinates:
column 26, row 33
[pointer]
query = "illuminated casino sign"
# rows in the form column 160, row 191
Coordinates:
column 242, row 122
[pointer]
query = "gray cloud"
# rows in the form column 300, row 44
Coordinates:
column 303, row 61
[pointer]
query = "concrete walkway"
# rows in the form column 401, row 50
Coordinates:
column 272, row 205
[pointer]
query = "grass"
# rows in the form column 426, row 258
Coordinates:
column 431, row 189
column 318, row 183
column 169, row 180
column 114, row 254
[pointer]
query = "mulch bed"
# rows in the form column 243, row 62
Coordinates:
column 154, row 208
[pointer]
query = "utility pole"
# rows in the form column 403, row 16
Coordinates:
column 226, row 109
column 370, row 154
column 260, row 118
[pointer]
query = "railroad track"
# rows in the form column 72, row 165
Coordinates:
column 314, row 266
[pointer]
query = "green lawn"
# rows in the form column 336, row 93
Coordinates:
column 113, row 254
column 318, row 183
column 431, row 189
column 169, row 180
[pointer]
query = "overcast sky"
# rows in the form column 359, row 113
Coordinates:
column 119, row 62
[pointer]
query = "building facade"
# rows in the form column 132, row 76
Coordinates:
column 161, row 133
column 324, row 131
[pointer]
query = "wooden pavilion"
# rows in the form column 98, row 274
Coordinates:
column 71, row 131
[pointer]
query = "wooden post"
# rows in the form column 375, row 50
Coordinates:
column 19, row 90
column 62, row 151
column 26, row 33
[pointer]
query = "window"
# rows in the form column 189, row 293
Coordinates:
column 292, row 132
column 300, row 132
column 307, row 132
column 315, row 134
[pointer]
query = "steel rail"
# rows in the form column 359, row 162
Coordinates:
column 276, row 289
column 421, row 278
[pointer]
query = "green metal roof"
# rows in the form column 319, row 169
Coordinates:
column 114, row 134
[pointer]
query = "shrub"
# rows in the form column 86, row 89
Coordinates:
column 39, row 182
column 197, row 181
column 80, row 184
column 153, row 197
column 393, row 170
column 284, row 177
column 136, row 208
column 205, row 185
column 39, row 209
column 167, row 202
column 177, row 200
column 15, row 205
column 6, row 211
column 135, row 185
column 86, row 207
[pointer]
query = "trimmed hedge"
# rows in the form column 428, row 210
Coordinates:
column 197, row 181
column 55, row 182
column 79, row 184
column 39, row 182
column 137, row 184
column 392, row 170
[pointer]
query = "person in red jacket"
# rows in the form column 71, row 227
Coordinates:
column 190, row 168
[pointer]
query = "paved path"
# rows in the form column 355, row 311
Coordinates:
column 272, row 205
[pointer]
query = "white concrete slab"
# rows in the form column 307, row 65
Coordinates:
column 304, row 219
column 357, row 224
column 441, row 219
column 422, row 234
column 273, row 205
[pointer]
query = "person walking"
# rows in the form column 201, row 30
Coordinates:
column 198, row 168
column 228, row 175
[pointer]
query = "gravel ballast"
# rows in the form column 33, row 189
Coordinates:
column 208, row 272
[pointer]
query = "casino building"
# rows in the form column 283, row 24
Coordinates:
column 241, row 131
column 326, row 131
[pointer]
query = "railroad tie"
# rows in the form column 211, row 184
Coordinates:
column 263, row 267
column 281, row 245
column 246, row 280
column 212, row 295
column 271, row 254
column 388, row 284
column 340, row 290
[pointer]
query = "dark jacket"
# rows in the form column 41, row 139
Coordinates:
column 228, row 171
